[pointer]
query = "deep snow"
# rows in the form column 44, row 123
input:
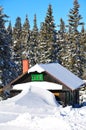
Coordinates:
column 36, row 109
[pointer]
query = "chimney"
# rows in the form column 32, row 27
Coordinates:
column 25, row 65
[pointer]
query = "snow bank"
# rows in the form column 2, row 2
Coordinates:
column 47, row 96
column 30, row 90
column 39, row 88
column 36, row 109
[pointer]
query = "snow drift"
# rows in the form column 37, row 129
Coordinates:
column 35, row 108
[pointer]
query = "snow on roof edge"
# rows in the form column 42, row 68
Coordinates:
column 37, row 68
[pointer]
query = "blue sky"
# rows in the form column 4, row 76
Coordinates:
column 61, row 8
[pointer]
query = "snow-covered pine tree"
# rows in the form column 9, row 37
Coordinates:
column 47, row 37
column 9, row 30
column 17, row 31
column 25, row 38
column 61, row 41
column 83, row 51
column 7, row 66
column 74, row 22
column 42, row 44
column 75, row 17
column 34, row 41
column 62, row 26
column 56, row 47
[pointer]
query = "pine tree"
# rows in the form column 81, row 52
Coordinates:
column 61, row 41
column 75, row 17
column 17, row 31
column 74, row 22
column 47, row 34
column 33, row 49
column 43, row 46
column 62, row 26
column 77, row 56
column 25, row 36
column 9, row 30
column 7, row 66
column 26, row 25
column 83, row 52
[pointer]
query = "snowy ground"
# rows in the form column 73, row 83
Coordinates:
column 36, row 109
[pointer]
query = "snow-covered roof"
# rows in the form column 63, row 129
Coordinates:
column 60, row 73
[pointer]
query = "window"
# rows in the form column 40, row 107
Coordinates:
column 37, row 77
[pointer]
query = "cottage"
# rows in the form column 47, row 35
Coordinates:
column 57, row 74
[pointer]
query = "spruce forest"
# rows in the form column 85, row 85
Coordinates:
column 65, row 44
